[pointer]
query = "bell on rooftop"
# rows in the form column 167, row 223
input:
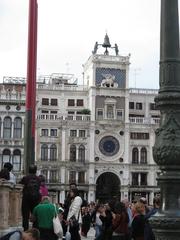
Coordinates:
column 106, row 43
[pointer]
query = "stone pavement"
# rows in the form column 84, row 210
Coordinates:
column 90, row 235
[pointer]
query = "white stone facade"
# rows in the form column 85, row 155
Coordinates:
column 99, row 135
column 120, row 121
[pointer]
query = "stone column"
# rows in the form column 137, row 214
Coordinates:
column 5, row 189
column 15, row 196
column 166, row 151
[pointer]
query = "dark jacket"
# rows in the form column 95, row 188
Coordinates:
column 138, row 225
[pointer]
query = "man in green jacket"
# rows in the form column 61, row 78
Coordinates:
column 43, row 214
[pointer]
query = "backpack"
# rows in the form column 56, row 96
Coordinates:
column 10, row 234
column 32, row 189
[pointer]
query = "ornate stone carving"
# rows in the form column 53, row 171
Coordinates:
column 166, row 150
column 169, row 72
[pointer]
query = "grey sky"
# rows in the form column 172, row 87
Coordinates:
column 68, row 29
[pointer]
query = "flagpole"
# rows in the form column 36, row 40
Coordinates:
column 29, row 138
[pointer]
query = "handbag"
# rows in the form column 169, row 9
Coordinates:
column 57, row 225
column 74, row 222
column 68, row 234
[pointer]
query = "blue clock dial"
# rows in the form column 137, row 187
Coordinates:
column 109, row 145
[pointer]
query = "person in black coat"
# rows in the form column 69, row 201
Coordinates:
column 138, row 223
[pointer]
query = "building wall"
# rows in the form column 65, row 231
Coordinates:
column 104, row 144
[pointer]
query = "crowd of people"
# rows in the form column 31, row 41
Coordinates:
column 114, row 220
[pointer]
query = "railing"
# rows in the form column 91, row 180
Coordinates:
column 63, row 87
column 60, row 117
column 140, row 120
column 143, row 91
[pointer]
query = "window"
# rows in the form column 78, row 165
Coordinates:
column 44, row 132
column 16, row 161
column 81, row 154
column 54, row 102
column 71, row 112
column 72, row 153
column 53, row 132
column 17, row 128
column 110, row 111
column 152, row 106
column 7, row 127
column 100, row 114
column 53, row 112
column 45, row 101
column 53, row 176
column 82, row 133
column 119, row 114
column 6, row 156
column 53, row 152
column 80, row 103
column 143, row 158
column 73, row 133
column 44, row 152
column 71, row 103
column 139, row 106
column 72, row 176
column 135, row 156
column 44, row 111
column 143, row 179
column 136, row 135
column 131, row 105
column 81, row 177
column 135, row 179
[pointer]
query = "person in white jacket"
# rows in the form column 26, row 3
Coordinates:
column 74, row 214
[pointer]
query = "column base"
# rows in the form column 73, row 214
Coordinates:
column 165, row 227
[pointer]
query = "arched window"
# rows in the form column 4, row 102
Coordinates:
column 16, row 160
column 7, row 127
column 135, row 156
column 72, row 153
column 44, row 152
column 143, row 155
column 17, row 127
column 6, row 156
column 81, row 154
column 53, row 152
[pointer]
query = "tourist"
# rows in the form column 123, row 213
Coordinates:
column 43, row 215
column 86, row 221
column 138, row 223
column 74, row 214
column 106, row 218
column 43, row 188
column 120, row 222
column 9, row 167
column 148, row 233
column 66, row 206
column 31, row 234
column 31, row 195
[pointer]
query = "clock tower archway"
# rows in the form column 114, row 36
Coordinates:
column 107, row 187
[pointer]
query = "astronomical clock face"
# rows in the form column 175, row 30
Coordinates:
column 109, row 146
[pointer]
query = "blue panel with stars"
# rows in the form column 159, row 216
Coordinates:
column 118, row 74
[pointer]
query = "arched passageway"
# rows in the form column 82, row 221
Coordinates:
column 107, row 187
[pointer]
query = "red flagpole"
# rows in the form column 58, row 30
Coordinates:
column 29, row 146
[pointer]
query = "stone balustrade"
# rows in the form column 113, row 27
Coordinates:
column 10, row 206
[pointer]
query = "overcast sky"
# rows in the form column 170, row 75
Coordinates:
column 68, row 30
